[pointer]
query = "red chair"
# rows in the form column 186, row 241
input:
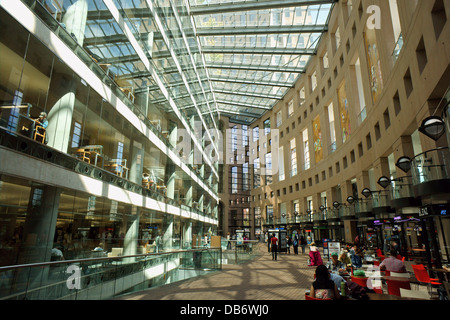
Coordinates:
column 395, row 285
column 362, row 281
column 376, row 263
column 379, row 253
column 378, row 290
column 423, row 277
column 308, row 297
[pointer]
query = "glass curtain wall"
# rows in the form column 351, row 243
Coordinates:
column 33, row 79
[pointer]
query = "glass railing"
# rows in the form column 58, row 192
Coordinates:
column 398, row 47
column 333, row 214
column 363, row 206
column 305, row 218
column 36, row 149
column 362, row 116
column 104, row 278
column 319, row 216
column 402, row 188
column 239, row 251
column 332, row 147
column 431, row 165
column 346, row 211
column 380, row 199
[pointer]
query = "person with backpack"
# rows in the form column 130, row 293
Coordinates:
column 295, row 245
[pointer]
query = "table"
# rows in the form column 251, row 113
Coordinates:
column 85, row 153
column 383, row 296
column 119, row 167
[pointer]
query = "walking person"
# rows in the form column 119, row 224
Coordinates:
column 269, row 243
column 274, row 242
column 228, row 241
column 295, row 245
column 303, row 243
column 288, row 244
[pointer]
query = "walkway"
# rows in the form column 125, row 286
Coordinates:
column 260, row 279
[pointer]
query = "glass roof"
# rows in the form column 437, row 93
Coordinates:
column 233, row 57
column 256, row 50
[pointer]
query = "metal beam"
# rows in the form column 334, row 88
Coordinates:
column 248, row 94
column 232, row 120
column 254, row 5
column 251, row 50
column 257, row 68
column 262, row 30
column 253, row 82
column 240, row 113
column 243, row 105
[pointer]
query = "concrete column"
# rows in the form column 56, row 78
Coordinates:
column 40, row 224
column 75, row 19
column 131, row 227
column 170, row 180
column 403, row 147
column 362, row 181
column 346, row 190
column 187, row 235
column 168, row 232
column 188, row 196
column 60, row 115
column 137, row 162
column 381, row 168
column 173, row 136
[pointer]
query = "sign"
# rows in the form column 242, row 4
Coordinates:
column 333, row 246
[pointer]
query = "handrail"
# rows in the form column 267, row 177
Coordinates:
column 105, row 173
column 50, row 263
column 431, row 150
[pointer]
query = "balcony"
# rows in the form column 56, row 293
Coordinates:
column 333, row 215
column 402, row 194
column 381, row 204
column 306, row 220
column 319, row 218
column 363, row 208
column 431, row 173
column 347, row 213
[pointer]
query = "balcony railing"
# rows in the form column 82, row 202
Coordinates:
column 380, row 199
column 346, row 212
column 363, row 206
column 431, row 165
column 398, row 47
column 106, row 277
column 401, row 188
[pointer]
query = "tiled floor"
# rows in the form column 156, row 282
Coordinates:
column 261, row 279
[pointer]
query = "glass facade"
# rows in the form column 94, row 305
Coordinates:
column 112, row 111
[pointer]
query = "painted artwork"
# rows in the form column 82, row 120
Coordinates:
column 373, row 61
column 317, row 135
column 344, row 112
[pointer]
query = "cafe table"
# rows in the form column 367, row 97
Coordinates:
column 384, row 296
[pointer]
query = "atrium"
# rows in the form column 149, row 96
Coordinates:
column 149, row 126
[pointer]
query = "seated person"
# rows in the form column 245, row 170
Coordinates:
column 356, row 258
column 314, row 255
column 323, row 287
column 43, row 122
column 392, row 263
column 334, row 265
column 345, row 259
column 337, row 279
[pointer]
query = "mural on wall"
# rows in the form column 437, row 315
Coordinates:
column 373, row 61
column 317, row 135
column 344, row 112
